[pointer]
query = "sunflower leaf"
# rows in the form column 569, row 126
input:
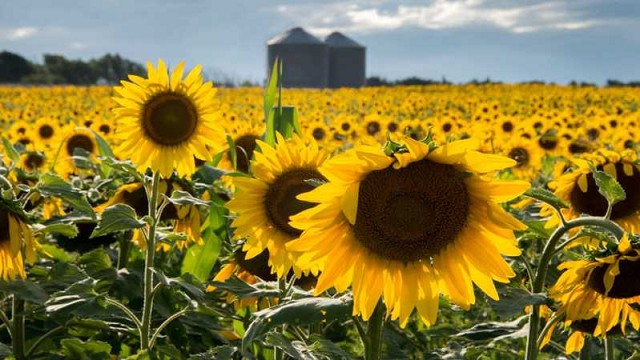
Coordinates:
column 54, row 185
column 10, row 150
column 608, row 186
column 514, row 300
column 68, row 230
column 200, row 259
column 269, row 100
column 179, row 197
column 547, row 196
column 92, row 349
column 297, row 312
column 115, row 218
column 24, row 290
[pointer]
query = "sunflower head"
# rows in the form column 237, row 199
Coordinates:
column 266, row 202
column 165, row 120
column 406, row 223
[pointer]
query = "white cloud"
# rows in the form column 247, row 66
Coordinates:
column 18, row 33
column 362, row 17
column 77, row 45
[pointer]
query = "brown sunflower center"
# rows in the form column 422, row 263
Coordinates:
column 280, row 200
column 33, row 161
column 625, row 285
column 589, row 326
column 578, row 147
column 105, row 129
column 256, row 266
column 548, row 142
column 5, row 237
column 520, row 155
column 319, row 134
column 45, row 131
column 79, row 141
column 592, row 203
column 373, row 127
column 245, row 145
column 411, row 213
column 169, row 119
column 507, row 126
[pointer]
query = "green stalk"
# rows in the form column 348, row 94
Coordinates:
column 541, row 274
column 18, row 329
column 124, row 248
column 585, row 352
column 375, row 325
column 147, row 307
column 608, row 348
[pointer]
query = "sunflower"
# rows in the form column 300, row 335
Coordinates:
column 409, row 226
column 32, row 161
column 265, row 202
column 186, row 219
column 81, row 138
column 16, row 239
column 164, row 121
column 244, row 135
column 45, row 130
column 606, row 289
column 578, row 188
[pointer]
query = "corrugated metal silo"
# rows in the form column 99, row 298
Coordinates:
column 346, row 61
column 305, row 59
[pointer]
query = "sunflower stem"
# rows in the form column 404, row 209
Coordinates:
column 545, row 260
column 147, row 307
column 375, row 325
column 608, row 348
column 124, row 248
column 17, row 340
column 585, row 352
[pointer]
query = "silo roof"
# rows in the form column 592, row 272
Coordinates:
column 295, row 35
column 337, row 39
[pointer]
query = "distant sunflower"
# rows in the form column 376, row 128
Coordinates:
column 164, row 121
column 79, row 137
column 32, row 161
column 244, row 135
column 606, row 289
column 16, row 242
column 45, row 130
column 410, row 226
column 265, row 203
column 578, row 188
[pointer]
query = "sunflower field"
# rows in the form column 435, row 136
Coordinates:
column 165, row 218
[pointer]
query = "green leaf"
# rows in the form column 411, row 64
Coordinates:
column 124, row 166
column 115, row 218
column 74, row 349
column 297, row 312
column 327, row 348
column 184, row 284
column 68, row 230
column 243, row 290
column 220, row 352
column 514, row 300
column 24, row 290
column 491, row 330
column 270, row 134
column 57, row 253
column 54, row 185
column 269, row 100
column 233, row 151
column 10, row 150
column 208, row 174
column 287, row 121
column 547, row 197
column 95, row 261
column 608, row 186
column 179, row 197
column 199, row 260
column 295, row 349
column 105, row 151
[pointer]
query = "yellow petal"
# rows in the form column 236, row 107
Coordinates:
column 350, row 202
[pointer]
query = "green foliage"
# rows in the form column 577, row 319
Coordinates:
column 608, row 187
column 118, row 217
column 54, row 185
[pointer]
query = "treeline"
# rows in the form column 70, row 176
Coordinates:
column 379, row 81
column 56, row 69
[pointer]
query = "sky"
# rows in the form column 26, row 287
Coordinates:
column 460, row 40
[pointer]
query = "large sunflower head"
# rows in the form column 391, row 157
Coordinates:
column 578, row 188
column 407, row 223
column 606, row 289
column 164, row 121
column 265, row 202
column 16, row 242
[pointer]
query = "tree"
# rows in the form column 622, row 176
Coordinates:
column 13, row 67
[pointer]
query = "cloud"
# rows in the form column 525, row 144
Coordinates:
column 361, row 17
column 17, row 33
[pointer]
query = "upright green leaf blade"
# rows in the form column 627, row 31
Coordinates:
column 199, row 260
column 10, row 150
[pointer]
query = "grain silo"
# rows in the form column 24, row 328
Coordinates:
column 346, row 61
column 304, row 57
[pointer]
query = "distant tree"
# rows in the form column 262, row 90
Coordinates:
column 415, row 81
column 13, row 67
column 111, row 68
column 377, row 81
